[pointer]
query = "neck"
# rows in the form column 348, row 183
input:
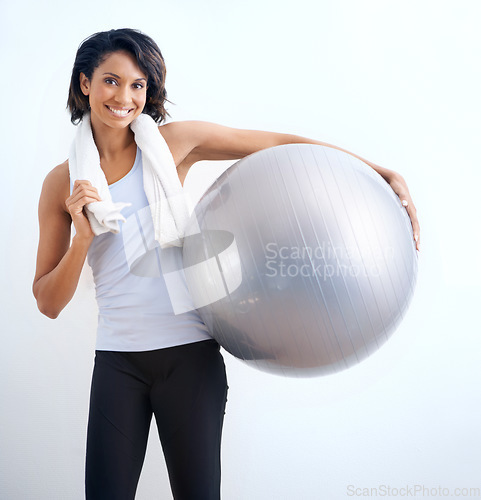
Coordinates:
column 111, row 142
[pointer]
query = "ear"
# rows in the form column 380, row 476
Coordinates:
column 84, row 84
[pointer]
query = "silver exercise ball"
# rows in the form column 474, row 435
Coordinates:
column 300, row 260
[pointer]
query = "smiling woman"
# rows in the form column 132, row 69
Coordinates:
column 148, row 359
column 145, row 57
column 118, row 87
column 117, row 94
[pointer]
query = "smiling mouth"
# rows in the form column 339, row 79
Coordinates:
column 119, row 112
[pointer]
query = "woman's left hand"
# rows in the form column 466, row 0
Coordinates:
column 399, row 186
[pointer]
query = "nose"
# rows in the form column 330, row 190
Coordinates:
column 122, row 96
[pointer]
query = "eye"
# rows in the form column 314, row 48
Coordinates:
column 110, row 81
column 138, row 86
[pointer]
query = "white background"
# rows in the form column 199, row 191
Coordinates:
column 395, row 82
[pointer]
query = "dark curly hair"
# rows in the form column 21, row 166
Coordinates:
column 93, row 51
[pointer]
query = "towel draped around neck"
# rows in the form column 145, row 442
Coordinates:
column 162, row 185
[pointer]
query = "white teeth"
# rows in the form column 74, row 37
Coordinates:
column 120, row 112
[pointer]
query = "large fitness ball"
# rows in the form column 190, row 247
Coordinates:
column 300, row 260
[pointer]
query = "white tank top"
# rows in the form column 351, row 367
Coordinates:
column 137, row 310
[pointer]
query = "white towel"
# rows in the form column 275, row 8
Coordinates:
column 162, row 185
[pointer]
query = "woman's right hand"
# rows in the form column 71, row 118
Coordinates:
column 83, row 193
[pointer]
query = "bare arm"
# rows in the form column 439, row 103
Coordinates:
column 60, row 263
column 193, row 141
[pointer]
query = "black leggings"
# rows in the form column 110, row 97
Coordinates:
column 186, row 389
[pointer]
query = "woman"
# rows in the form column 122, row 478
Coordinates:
column 147, row 359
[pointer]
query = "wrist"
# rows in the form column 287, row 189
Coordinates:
column 385, row 173
column 82, row 241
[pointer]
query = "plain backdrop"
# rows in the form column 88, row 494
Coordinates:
column 395, row 82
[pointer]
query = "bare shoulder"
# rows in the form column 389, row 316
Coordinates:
column 56, row 187
column 181, row 137
column 176, row 127
column 178, row 132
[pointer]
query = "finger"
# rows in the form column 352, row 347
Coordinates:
column 415, row 225
column 87, row 187
column 85, row 191
column 407, row 203
column 83, row 199
column 79, row 201
column 79, row 182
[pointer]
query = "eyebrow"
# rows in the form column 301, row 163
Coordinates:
column 120, row 78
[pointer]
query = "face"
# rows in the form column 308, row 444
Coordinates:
column 117, row 90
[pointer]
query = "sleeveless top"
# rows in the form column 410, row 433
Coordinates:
column 140, row 288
